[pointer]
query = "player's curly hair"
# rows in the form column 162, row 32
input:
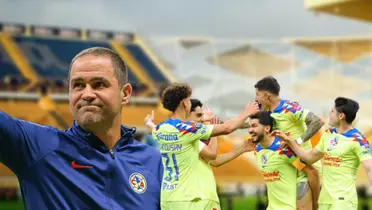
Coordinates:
column 174, row 94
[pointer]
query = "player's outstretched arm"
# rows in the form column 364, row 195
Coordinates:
column 313, row 123
column 23, row 143
column 309, row 156
column 222, row 159
column 235, row 123
column 210, row 151
column 367, row 164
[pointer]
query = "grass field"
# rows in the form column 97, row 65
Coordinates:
column 243, row 203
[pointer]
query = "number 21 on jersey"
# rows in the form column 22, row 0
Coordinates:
column 173, row 171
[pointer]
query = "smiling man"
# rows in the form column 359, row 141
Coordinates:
column 276, row 164
column 96, row 164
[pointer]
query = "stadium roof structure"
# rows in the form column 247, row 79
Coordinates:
column 355, row 9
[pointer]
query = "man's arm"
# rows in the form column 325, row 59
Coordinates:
column 309, row 156
column 227, row 157
column 23, row 143
column 243, row 126
column 209, row 152
column 367, row 164
column 235, row 123
column 313, row 123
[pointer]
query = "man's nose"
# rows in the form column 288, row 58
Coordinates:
column 88, row 93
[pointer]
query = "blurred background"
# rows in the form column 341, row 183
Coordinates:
column 317, row 49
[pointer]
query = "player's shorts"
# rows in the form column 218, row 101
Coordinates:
column 190, row 205
column 338, row 206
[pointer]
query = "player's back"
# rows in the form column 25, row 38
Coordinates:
column 179, row 147
column 290, row 118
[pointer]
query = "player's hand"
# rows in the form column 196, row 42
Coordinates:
column 149, row 119
column 282, row 136
column 248, row 145
column 208, row 115
column 283, row 145
column 251, row 109
column 215, row 120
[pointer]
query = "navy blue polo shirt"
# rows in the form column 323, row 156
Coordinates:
column 73, row 169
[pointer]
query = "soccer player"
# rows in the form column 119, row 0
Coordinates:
column 96, row 164
column 343, row 148
column 179, row 145
column 276, row 164
column 197, row 115
column 300, row 124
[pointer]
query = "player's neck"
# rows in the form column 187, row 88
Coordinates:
column 179, row 114
column 343, row 127
column 267, row 141
column 273, row 104
column 111, row 135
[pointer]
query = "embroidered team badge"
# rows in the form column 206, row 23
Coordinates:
column 263, row 161
column 138, row 183
column 332, row 144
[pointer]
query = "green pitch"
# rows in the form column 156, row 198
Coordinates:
column 239, row 203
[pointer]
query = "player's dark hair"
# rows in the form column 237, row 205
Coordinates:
column 174, row 94
column 264, row 118
column 120, row 67
column 195, row 103
column 348, row 107
column 269, row 84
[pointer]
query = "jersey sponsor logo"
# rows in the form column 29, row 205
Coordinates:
column 331, row 161
column 271, row 176
column 138, row 183
column 166, row 137
column 332, row 144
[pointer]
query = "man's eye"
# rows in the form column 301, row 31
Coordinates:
column 78, row 85
column 99, row 84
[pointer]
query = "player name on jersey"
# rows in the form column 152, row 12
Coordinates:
column 171, row 147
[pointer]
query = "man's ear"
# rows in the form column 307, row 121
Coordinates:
column 126, row 93
column 267, row 128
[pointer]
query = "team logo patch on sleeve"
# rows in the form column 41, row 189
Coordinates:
column 138, row 183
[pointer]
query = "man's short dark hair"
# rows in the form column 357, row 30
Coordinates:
column 195, row 103
column 269, row 84
column 174, row 94
column 264, row 118
column 120, row 67
column 348, row 107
